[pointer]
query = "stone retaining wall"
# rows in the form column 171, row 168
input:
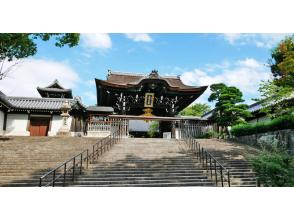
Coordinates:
column 280, row 139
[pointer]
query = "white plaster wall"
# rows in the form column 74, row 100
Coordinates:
column 56, row 124
column 139, row 125
column 261, row 119
column 17, row 125
column 1, row 122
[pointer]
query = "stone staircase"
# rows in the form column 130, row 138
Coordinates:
column 145, row 162
column 131, row 162
column 232, row 156
column 24, row 159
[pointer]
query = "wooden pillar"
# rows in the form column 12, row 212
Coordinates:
column 5, row 121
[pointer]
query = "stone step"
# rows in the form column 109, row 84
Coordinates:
column 138, row 181
column 189, row 184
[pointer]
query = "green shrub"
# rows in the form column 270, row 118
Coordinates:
column 280, row 123
column 153, row 129
column 273, row 168
column 209, row 134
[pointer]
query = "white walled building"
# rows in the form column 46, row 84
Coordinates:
column 30, row 116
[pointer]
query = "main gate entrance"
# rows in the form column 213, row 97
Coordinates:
column 170, row 127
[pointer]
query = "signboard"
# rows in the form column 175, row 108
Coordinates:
column 149, row 98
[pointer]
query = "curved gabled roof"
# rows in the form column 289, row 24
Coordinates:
column 126, row 80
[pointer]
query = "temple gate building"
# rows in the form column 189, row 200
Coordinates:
column 143, row 97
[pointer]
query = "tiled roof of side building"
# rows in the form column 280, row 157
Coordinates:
column 31, row 103
column 3, row 100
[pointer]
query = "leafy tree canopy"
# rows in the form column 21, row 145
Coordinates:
column 276, row 100
column 227, row 110
column 19, row 45
column 282, row 62
column 153, row 129
column 197, row 109
column 277, row 94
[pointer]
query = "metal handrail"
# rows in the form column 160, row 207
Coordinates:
column 208, row 161
column 76, row 162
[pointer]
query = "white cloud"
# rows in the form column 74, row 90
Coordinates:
column 250, row 63
column 259, row 40
column 98, row 41
column 90, row 95
column 90, row 82
column 244, row 74
column 139, row 37
column 232, row 37
column 31, row 73
column 215, row 66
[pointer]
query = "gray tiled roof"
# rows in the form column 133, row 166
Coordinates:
column 37, row 103
column 3, row 99
column 100, row 109
column 32, row 103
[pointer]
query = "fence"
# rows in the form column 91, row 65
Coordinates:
column 110, row 125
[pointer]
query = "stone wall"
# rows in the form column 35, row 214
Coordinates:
column 279, row 139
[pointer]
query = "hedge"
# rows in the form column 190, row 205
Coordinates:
column 280, row 123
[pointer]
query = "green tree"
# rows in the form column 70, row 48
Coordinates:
column 227, row 110
column 276, row 100
column 15, row 46
column 276, row 94
column 282, row 62
column 197, row 109
column 153, row 129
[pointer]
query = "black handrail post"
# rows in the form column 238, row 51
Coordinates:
column 215, row 173
column 93, row 158
column 73, row 169
column 81, row 163
column 101, row 145
column 64, row 174
column 40, row 182
column 229, row 181
column 199, row 152
column 222, row 179
column 197, row 147
column 210, row 165
column 87, row 158
column 202, row 152
column 97, row 150
column 53, row 184
column 206, row 160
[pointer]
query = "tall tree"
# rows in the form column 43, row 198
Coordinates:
column 227, row 110
column 277, row 95
column 15, row 46
column 197, row 109
column 282, row 62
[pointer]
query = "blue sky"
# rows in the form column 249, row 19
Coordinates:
column 200, row 59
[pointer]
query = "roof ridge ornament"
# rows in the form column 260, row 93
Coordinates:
column 154, row 74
